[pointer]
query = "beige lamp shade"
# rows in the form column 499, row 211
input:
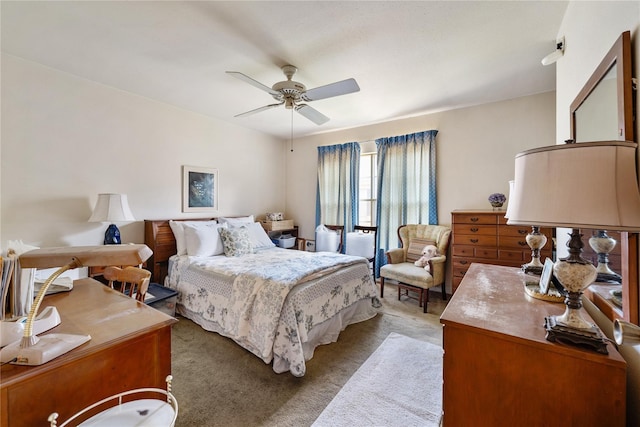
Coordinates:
column 111, row 207
column 586, row 185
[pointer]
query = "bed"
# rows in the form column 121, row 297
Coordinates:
column 279, row 304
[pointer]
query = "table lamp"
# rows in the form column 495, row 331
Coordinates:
column 33, row 350
column 585, row 185
column 111, row 208
column 602, row 244
column 535, row 239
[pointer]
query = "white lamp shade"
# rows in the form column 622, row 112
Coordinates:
column 112, row 208
column 512, row 199
column 586, row 185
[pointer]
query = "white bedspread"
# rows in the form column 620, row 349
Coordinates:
column 250, row 298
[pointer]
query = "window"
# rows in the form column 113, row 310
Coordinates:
column 368, row 189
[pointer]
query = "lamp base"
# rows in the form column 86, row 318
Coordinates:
column 532, row 269
column 13, row 331
column 112, row 235
column 612, row 278
column 47, row 348
column 590, row 339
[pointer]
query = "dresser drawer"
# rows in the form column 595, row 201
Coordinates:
column 489, row 253
column 474, row 229
column 465, row 251
column 460, row 270
column 514, row 230
column 514, row 243
column 508, row 256
column 474, row 218
column 475, row 240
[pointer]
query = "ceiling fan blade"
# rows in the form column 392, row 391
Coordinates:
column 312, row 114
column 334, row 89
column 253, row 82
column 257, row 110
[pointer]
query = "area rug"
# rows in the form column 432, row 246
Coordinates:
column 400, row 384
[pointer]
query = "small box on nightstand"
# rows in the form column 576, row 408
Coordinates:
column 162, row 298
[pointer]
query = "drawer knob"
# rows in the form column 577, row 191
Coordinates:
column 463, row 262
column 474, row 229
column 523, row 243
column 474, row 219
column 523, row 231
column 474, row 240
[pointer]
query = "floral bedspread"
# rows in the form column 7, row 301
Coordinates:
column 268, row 301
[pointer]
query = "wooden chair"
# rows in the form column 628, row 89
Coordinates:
column 400, row 261
column 370, row 230
column 132, row 281
column 340, row 230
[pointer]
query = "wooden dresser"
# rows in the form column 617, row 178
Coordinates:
column 499, row 370
column 130, row 348
column 484, row 236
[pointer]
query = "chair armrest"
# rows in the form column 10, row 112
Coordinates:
column 438, row 269
column 395, row 256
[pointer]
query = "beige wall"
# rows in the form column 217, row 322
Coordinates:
column 590, row 29
column 476, row 147
column 65, row 139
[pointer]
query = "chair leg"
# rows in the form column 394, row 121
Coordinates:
column 381, row 287
column 444, row 292
column 426, row 300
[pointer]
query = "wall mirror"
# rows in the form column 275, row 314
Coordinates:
column 603, row 110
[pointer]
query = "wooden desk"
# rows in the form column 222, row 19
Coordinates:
column 499, row 370
column 130, row 348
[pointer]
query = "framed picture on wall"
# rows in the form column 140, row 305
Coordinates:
column 199, row 189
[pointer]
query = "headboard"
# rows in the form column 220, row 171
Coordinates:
column 159, row 237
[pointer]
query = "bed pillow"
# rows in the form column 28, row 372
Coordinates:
column 178, row 233
column 203, row 240
column 259, row 238
column 237, row 220
column 236, row 241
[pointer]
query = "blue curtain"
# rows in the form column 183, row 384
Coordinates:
column 337, row 188
column 406, row 186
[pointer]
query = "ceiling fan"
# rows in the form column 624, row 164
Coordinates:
column 291, row 94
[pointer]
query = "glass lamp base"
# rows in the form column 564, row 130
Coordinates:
column 590, row 339
column 112, row 235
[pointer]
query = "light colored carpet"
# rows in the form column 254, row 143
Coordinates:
column 400, row 384
column 218, row 383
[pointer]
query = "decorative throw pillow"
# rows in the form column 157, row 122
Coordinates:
column 236, row 241
column 414, row 252
column 203, row 240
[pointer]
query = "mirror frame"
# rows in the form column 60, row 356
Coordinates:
column 620, row 55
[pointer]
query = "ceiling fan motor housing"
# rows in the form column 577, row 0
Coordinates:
column 291, row 93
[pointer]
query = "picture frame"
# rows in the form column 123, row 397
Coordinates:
column 199, row 189
column 545, row 277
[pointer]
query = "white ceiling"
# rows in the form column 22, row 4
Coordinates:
column 408, row 57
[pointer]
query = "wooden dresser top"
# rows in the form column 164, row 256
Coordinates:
column 491, row 300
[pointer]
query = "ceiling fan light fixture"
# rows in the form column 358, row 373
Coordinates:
column 288, row 103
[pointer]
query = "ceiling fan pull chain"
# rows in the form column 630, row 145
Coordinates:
column 291, row 130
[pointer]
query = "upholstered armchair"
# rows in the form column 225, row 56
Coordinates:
column 400, row 261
